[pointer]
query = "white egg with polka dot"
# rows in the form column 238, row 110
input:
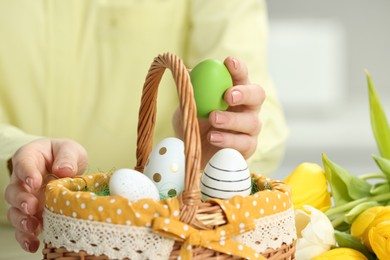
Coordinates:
column 166, row 167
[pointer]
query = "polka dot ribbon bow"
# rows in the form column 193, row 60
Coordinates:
column 216, row 239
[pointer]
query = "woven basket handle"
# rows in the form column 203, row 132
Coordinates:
column 147, row 118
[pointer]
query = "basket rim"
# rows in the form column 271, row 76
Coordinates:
column 74, row 189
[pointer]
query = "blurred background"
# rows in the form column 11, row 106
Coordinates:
column 318, row 52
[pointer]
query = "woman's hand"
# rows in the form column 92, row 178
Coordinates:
column 33, row 166
column 239, row 126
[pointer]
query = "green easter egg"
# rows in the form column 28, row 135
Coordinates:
column 210, row 79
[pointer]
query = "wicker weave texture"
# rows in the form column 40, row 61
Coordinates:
column 193, row 211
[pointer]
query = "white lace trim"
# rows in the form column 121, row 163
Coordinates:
column 97, row 238
column 271, row 232
column 121, row 241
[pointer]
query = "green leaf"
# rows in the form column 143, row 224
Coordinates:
column 380, row 126
column 343, row 227
column 384, row 165
column 379, row 188
column 346, row 240
column 345, row 187
column 353, row 213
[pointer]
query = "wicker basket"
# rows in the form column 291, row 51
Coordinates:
column 184, row 227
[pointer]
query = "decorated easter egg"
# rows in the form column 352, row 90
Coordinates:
column 166, row 167
column 210, row 79
column 132, row 185
column 225, row 176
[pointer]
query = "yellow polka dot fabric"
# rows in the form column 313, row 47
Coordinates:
column 75, row 197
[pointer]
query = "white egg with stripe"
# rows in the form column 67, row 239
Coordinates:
column 225, row 176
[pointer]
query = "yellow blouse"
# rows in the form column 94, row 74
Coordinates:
column 75, row 69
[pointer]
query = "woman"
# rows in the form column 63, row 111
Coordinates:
column 71, row 76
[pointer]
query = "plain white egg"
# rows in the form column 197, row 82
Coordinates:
column 166, row 167
column 132, row 185
column 225, row 176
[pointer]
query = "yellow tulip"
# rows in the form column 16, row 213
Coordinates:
column 309, row 187
column 379, row 237
column 367, row 220
column 341, row 253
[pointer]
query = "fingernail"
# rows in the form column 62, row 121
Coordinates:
column 23, row 223
column 220, row 118
column 235, row 63
column 216, row 138
column 27, row 246
column 236, row 96
column 30, row 182
column 24, row 207
column 64, row 166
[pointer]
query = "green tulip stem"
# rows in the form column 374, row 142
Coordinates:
column 338, row 221
column 374, row 175
column 350, row 205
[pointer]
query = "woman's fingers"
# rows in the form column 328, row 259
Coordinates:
column 33, row 166
column 238, row 71
column 245, row 123
column 23, row 222
column 70, row 158
column 245, row 144
column 239, row 126
column 27, row 228
column 28, row 241
column 251, row 97
column 18, row 197
column 29, row 163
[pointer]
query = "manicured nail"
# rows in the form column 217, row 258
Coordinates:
column 30, row 182
column 235, row 63
column 27, row 246
column 216, row 138
column 220, row 118
column 236, row 97
column 24, row 207
column 64, row 166
column 23, row 223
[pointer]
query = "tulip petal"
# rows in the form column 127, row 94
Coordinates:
column 341, row 254
column 306, row 250
column 309, row 187
column 378, row 243
column 316, row 233
column 361, row 223
column 322, row 227
column 346, row 240
column 302, row 219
